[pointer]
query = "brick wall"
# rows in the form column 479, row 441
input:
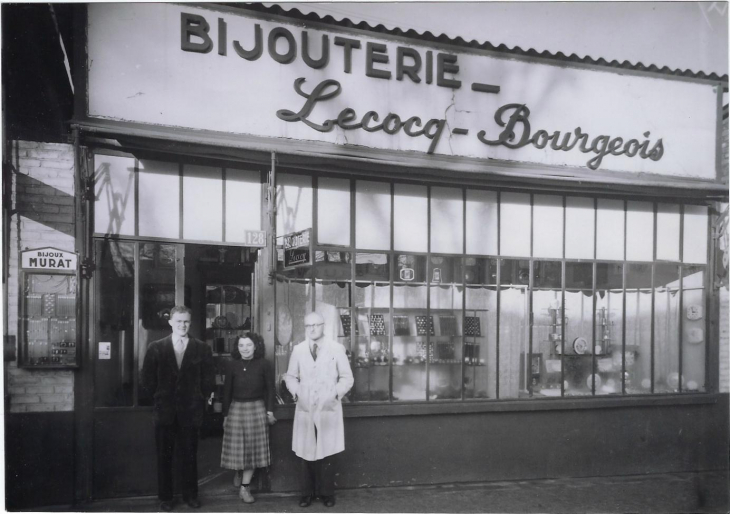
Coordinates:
column 43, row 196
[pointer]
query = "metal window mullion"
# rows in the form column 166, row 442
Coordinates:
column 391, row 277
column 223, row 204
column 428, row 293
column 463, row 291
column 136, row 197
column 498, row 260
column 530, row 315
column 181, row 206
column 315, row 239
column 136, row 322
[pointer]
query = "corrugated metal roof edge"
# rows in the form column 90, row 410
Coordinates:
column 458, row 41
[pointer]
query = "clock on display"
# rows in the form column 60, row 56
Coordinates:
column 694, row 312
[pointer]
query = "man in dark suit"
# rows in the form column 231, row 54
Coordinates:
column 178, row 372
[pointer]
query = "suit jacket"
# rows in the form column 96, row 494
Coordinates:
column 183, row 392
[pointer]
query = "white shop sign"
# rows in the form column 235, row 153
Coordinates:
column 200, row 68
column 49, row 259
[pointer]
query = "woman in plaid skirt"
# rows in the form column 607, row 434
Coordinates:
column 248, row 400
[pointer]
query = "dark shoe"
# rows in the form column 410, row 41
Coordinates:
column 329, row 501
column 166, row 506
column 305, row 501
column 193, row 502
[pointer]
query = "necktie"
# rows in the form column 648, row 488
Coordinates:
column 314, row 351
column 179, row 352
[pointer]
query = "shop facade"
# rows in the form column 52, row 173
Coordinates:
column 519, row 252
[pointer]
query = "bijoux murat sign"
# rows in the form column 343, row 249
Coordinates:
column 208, row 69
column 51, row 259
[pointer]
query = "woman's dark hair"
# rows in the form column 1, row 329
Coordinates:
column 258, row 342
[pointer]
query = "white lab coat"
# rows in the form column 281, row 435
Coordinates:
column 319, row 387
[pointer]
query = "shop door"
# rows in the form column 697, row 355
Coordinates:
column 136, row 285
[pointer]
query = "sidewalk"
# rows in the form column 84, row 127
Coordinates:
column 681, row 492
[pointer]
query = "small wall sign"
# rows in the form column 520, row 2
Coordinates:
column 255, row 238
column 49, row 259
column 298, row 248
column 105, row 351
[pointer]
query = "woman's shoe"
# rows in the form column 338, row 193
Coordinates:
column 245, row 494
column 238, row 478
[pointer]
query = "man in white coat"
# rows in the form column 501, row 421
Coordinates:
column 319, row 375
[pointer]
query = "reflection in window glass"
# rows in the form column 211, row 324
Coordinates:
column 610, row 230
column 293, row 203
column 695, row 234
column 513, row 327
column 693, row 329
column 666, row 328
column 410, row 216
column 479, row 328
column 638, row 329
column 243, row 204
column 113, row 377
column 203, row 203
column 447, row 220
column 333, row 211
column 667, row 232
column 368, row 328
column 580, row 351
column 639, row 231
column 114, row 195
column 157, row 295
column 159, row 199
column 548, row 230
column 580, row 215
column 481, row 222
column 445, row 343
column 514, row 224
column 372, row 215
column 609, row 327
column 293, row 302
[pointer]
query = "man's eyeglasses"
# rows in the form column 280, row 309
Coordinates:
column 315, row 325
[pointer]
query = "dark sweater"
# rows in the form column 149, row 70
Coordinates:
column 255, row 383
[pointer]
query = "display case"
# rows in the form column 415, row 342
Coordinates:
column 48, row 324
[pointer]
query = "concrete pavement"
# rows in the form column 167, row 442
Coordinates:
column 705, row 492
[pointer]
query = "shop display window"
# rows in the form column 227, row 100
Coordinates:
column 667, row 232
column 580, row 227
column 479, row 328
column 639, row 231
column 694, row 340
column 610, row 223
column 580, row 350
column 514, row 224
column 609, row 361
column 447, row 220
column 547, row 217
column 514, row 310
column 159, row 199
column 637, row 342
column 203, row 199
column 115, row 195
column 48, row 321
column 243, row 203
column 294, row 196
column 694, row 248
column 482, row 222
column 666, row 329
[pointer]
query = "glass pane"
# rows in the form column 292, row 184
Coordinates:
column 410, row 215
column 693, row 330
column 639, row 231
column 667, row 232
column 332, row 289
column 243, row 204
column 157, row 296
column 580, row 227
column 159, row 199
column 479, row 329
column 548, row 229
column 579, row 355
column 333, row 211
column 543, row 375
column 368, row 329
column 514, row 224
column 637, row 358
column 481, row 222
column 513, row 327
column 293, row 203
column 666, row 328
column 695, row 234
column 413, row 326
column 114, row 195
column 609, row 325
column 203, row 203
column 372, row 215
column 114, row 377
column 447, row 220
column 610, row 230
column 293, row 302
column 445, row 343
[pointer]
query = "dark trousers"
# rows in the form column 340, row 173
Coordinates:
column 186, row 439
column 317, row 478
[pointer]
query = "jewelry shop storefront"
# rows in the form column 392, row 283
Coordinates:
column 516, row 250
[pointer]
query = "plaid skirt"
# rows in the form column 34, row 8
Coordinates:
column 245, row 436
